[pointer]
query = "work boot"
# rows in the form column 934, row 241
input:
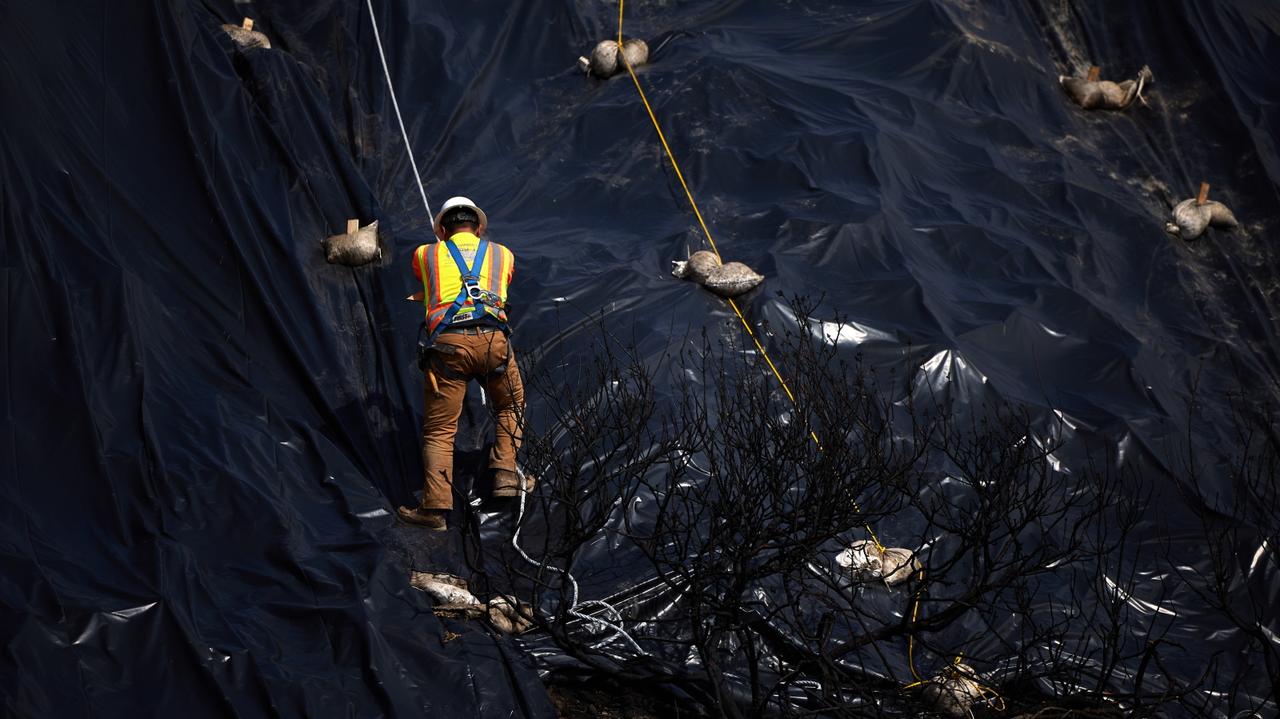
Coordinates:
column 433, row 519
column 506, row 483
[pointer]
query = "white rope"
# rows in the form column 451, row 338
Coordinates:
column 574, row 605
column 408, row 149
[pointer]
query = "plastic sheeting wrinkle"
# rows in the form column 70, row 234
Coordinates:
column 1139, row 604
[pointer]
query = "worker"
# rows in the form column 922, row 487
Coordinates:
column 464, row 291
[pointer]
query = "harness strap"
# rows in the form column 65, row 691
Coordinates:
column 468, row 276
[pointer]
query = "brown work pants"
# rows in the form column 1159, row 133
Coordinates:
column 456, row 359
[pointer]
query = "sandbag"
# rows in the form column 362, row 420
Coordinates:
column 727, row 280
column 865, row 560
column 953, row 691
column 1093, row 94
column 604, row 61
column 1192, row 217
column 245, row 37
column 356, row 247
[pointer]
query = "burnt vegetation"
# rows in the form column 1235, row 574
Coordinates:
column 732, row 503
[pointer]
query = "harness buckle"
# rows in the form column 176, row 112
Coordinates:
column 480, row 295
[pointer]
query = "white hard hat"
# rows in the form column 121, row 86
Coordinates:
column 454, row 203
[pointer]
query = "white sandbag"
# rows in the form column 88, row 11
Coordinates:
column 865, row 560
column 356, row 247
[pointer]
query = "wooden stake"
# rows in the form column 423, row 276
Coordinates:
column 1203, row 197
column 1094, row 73
column 353, row 226
column 247, row 24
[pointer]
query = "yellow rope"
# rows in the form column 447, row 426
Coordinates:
column 620, row 3
column 989, row 695
column 874, row 539
column 911, row 636
column 915, row 684
column 698, row 213
column 992, row 697
column 706, row 231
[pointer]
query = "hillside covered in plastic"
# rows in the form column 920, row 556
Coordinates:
column 207, row 427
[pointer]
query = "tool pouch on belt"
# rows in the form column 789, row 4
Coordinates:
column 429, row 359
column 429, row 352
column 424, row 348
column 428, row 348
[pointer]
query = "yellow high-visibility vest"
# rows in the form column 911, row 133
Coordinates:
column 442, row 278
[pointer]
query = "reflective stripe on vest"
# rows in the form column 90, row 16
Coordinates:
column 442, row 281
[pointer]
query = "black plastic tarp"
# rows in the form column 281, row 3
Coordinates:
column 206, row 426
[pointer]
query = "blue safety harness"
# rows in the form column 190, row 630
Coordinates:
column 470, row 288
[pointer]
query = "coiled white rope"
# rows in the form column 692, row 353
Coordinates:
column 575, row 606
column 408, row 149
